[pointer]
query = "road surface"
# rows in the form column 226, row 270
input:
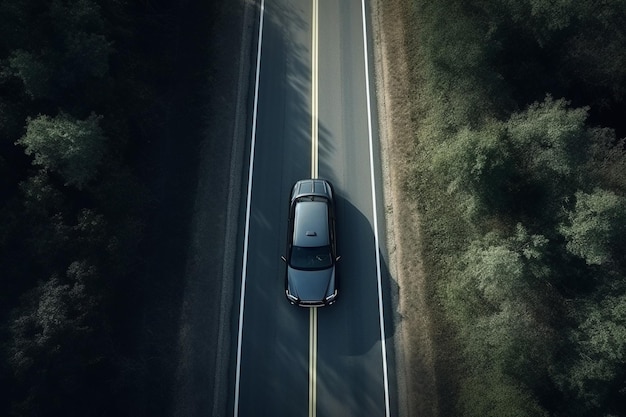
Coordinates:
column 312, row 117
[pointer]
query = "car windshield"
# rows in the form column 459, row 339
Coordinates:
column 311, row 258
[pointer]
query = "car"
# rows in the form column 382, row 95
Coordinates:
column 310, row 278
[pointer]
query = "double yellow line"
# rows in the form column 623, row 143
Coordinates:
column 314, row 174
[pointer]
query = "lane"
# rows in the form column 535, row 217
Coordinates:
column 314, row 174
column 351, row 374
column 274, row 343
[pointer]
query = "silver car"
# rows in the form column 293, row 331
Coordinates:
column 311, row 280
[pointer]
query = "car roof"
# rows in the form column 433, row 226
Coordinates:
column 311, row 223
column 312, row 187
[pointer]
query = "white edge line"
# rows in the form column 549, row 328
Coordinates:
column 376, row 242
column 248, row 204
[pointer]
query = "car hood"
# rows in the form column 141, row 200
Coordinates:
column 311, row 286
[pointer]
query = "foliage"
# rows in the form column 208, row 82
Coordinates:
column 493, row 394
column 550, row 139
column 532, row 157
column 607, row 161
column 75, row 49
column 478, row 165
column 518, row 107
column 56, row 343
column 596, row 227
column 495, row 306
column 595, row 376
column 84, row 96
column 73, row 148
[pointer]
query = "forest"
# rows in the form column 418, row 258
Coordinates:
column 99, row 132
column 520, row 178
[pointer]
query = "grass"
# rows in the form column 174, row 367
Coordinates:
column 418, row 211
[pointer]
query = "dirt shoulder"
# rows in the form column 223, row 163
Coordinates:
column 417, row 384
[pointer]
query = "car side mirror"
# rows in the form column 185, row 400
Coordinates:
column 283, row 258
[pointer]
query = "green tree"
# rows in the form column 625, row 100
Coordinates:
column 594, row 54
column 477, row 165
column 549, row 145
column 528, row 163
column 67, row 146
column 496, row 270
column 493, row 394
column 58, row 342
column 457, row 49
column 596, row 227
column 595, row 373
column 551, row 140
column 45, row 231
column 497, row 298
column 33, row 72
column 65, row 52
column 607, row 161
column 40, row 197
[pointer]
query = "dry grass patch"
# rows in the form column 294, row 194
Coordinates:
column 417, row 379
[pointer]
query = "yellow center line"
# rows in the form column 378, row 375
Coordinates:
column 314, row 89
column 313, row 363
column 314, row 174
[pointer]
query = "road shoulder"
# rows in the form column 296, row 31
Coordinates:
column 205, row 337
column 415, row 360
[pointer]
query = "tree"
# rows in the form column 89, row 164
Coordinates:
column 523, row 165
column 607, row 161
column 493, row 394
column 477, row 164
column 69, row 49
column 497, row 298
column 67, row 146
column 59, row 341
column 595, row 57
column 595, row 373
column 596, row 227
column 458, row 49
column 33, row 72
column 495, row 270
column 41, row 199
column 551, row 140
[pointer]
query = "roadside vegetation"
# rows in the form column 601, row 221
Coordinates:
column 99, row 131
column 520, row 179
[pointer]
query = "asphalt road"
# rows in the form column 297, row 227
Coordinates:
column 312, row 99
